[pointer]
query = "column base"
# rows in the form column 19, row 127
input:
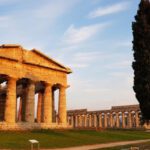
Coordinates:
column 32, row 126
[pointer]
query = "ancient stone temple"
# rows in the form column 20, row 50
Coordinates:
column 128, row 116
column 24, row 74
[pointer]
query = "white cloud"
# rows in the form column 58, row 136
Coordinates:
column 78, row 35
column 102, row 11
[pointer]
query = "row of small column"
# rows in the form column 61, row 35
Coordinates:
column 28, row 100
column 104, row 120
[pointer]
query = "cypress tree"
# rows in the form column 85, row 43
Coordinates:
column 141, row 64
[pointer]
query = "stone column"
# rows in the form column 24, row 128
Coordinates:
column 85, row 125
column 90, row 120
column 19, row 118
column 62, row 105
column 76, row 121
column 123, row 120
column 23, row 99
column 72, row 121
column 137, row 119
column 117, row 120
column 95, row 120
column 111, row 121
column 39, row 107
column 10, row 107
column 53, row 106
column 100, row 120
column 29, row 110
column 129, row 120
column 2, row 106
column 105, row 120
column 47, row 104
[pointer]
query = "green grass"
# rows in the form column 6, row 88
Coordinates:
column 66, row 138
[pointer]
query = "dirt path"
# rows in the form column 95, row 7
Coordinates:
column 106, row 145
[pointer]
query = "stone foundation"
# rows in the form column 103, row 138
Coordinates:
column 31, row 126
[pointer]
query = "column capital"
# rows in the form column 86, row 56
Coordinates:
column 48, row 84
column 12, row 78
column 64, row 86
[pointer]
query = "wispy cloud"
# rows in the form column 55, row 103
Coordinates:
column 75, row 35
column 102, row 11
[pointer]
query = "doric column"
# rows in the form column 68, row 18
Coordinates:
column 39, row 107
column 72, row 120
column 105, row 120
column 2, row 106
column 29, row 110
column 53, row 106
column 62, row 105
column 19, row 118
column 10, row 107
column 137, row 119
column 111, row 121
column 90, row 120
column 129, row 120
column 123, row 120
column 117, row 120
column 76, row 121
column 95, row 120
column 100, row 120
column 85, row 125
column 47, row 104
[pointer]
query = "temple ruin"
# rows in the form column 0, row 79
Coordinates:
column 23, row 74
column 128, row 116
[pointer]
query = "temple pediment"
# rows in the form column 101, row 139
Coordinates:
column 32, row 57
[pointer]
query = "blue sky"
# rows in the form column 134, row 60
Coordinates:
column 92, row 37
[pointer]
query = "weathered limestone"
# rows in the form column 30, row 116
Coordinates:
column 129, row 120
column 123, row 120
column 62, row 105
column 40, row 107
column 29, row 115
column 27, row 73
column 105, row 120
column 20, row 110
column 10, row 108
column 47, row 104
column 100, row 120
column 137, row 119
column 117, row 120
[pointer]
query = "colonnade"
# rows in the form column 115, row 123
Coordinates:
column 105, row 119
column 26, row 112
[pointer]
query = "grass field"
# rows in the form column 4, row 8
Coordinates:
column 59, row 138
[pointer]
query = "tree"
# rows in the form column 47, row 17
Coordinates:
column 141, row 64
